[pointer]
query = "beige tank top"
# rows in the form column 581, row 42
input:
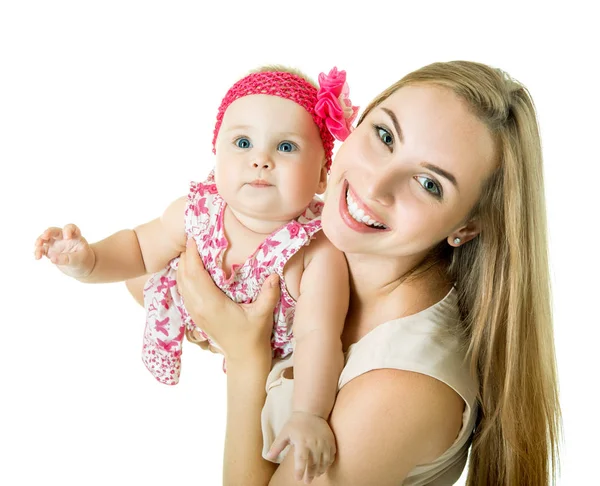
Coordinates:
column 427, row 342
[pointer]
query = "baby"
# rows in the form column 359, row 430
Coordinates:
column 256, row 214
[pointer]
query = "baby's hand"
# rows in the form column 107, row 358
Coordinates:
column 67, row 249
column 313, row 441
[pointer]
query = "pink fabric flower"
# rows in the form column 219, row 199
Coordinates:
column 334, row 105
column 294, row 229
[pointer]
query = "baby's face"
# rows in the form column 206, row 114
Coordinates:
column 270, row 158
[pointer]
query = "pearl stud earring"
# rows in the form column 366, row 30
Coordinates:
column 456, row 241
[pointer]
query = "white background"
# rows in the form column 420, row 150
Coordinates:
column 107, row 111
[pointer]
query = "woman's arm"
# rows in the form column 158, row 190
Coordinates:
column 386, row 422
column 243, row 332
column 242, row 460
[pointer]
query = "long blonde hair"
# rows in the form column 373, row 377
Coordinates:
column 503, row 283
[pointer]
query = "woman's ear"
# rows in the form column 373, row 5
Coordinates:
column 465, row 233
column 322, row 181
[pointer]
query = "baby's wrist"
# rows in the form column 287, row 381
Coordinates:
column 89, row 266
column 305, row 412
column 92, row 262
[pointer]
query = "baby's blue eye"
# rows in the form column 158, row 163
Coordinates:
column 243, row 143
column 287, row 147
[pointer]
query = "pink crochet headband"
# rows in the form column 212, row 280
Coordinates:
column 329, row 105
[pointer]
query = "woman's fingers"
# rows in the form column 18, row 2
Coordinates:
column 205, row 302
column 267, row 298
column 240, row 330
column 205, row 289
column 192, row 256
column 180, row 275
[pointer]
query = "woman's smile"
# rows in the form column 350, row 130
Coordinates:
column 356, row 214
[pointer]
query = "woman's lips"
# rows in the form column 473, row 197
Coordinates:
column 349, row 220
column 362, row 207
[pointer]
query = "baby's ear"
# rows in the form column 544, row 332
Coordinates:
column 322, row 181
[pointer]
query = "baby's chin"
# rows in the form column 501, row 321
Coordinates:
column 268, row 215
column 261, row 221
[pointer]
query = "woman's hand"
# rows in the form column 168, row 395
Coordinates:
column 241, row 331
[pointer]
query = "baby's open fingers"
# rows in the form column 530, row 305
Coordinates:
column 40, row 249
column 312, row 465
column 326, row 461
column 300, row 460
column 51, row 233
column 278, row 446
column 45, row 240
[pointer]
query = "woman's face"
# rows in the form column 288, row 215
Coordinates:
column 411, row 173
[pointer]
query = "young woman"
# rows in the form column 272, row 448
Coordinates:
column 448, row 338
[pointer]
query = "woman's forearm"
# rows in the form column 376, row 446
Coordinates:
column 243, row 462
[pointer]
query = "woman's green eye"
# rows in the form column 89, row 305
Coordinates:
column 430, row 185
column 385, row 136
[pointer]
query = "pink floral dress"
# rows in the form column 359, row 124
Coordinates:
column 166, row 316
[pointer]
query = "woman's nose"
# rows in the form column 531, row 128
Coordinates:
column 380, row 186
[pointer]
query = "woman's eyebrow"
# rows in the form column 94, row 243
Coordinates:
column 392, row 115
column 427, row 165
column 440, row 171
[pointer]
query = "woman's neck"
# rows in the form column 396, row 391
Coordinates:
column 373, row 277
column 382, row 288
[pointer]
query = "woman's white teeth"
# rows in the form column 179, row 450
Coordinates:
column 359, row 215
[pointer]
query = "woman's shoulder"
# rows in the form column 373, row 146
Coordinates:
column 386, row 423
column 434, row 409
column 431, row 342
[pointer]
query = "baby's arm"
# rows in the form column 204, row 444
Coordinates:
column 318, row 323
column 123, row 255
column 318, row 359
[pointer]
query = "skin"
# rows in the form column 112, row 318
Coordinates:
column 385, row 421
column 275, row 140
column 270, row 163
